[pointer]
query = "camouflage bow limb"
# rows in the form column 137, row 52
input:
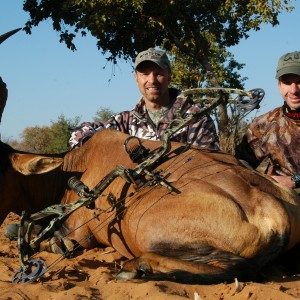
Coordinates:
column 246, row 101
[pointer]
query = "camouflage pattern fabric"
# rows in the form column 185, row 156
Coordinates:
column 138, row 123
column 276, row 136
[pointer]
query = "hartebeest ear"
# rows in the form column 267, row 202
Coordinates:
column 34, row 164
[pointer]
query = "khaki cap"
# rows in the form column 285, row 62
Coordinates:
column 288, row 63
column 157, row 56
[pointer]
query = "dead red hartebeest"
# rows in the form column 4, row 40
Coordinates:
column 194, row 214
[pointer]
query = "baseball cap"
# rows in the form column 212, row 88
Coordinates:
column 157, row 56
column 288, row 63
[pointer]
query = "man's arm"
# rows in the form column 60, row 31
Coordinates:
column 87, row 129
column 244, row 152
column 203, row 133
column 82, row 133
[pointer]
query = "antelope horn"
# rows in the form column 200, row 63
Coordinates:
column 6, row 35
column 3, row 89
column 3, row 97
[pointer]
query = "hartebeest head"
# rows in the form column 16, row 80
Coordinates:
column 24, row 163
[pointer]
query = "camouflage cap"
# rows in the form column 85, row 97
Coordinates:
column 288, row 63
column 157, row 56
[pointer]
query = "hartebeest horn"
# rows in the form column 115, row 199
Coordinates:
column 3, row 89
column 6, row 35
column 3, row 97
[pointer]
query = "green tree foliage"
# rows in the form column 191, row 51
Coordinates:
column 198, row 28
column 103, row 114
column 188, row 72
column 198, row 32
column 37, row 139
column 47, row 139
column 60, row 133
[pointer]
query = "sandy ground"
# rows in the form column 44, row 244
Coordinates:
column 90, row 275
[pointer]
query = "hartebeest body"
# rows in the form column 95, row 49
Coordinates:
column 221, row 221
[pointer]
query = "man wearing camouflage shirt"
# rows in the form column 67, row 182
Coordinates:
column 157, row 107
column 276, row 134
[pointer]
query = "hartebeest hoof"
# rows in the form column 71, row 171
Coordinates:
column 127, row 275
column 11, row 231
column 67, row 243
column 52, row 245
column 57, row 244
column 134, row 269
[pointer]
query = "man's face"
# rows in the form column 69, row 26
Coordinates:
column 289, row 87
column 153, row 83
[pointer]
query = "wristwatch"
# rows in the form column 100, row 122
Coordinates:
column 296, row 179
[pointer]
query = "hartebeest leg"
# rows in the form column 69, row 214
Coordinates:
column 57, row 244
column 181, row 270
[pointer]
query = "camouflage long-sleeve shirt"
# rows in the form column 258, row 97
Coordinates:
column 276, row 136
column 138, row 123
